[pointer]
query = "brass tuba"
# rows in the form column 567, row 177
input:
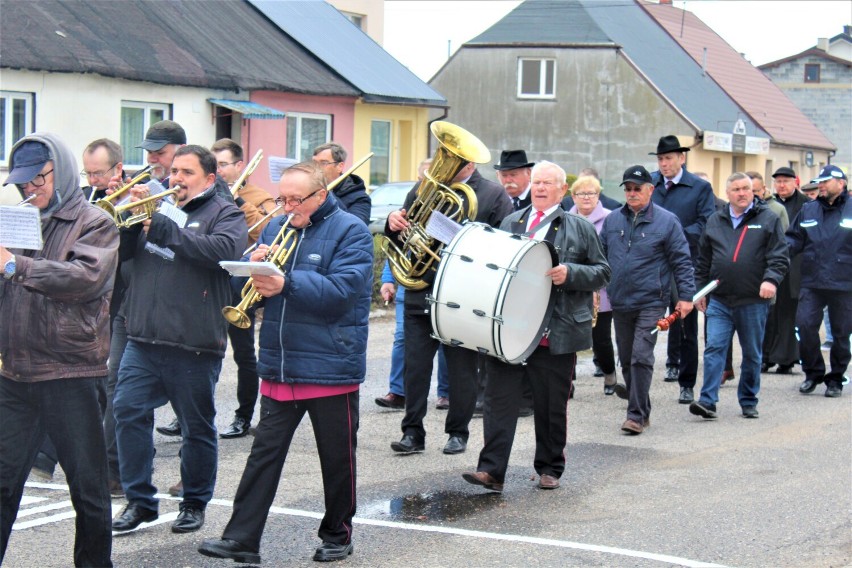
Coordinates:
column 419, row 252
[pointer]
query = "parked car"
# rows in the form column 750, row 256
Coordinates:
column 386, row 198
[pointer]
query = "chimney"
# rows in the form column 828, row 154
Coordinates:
column 847, row 30
column 822, row 43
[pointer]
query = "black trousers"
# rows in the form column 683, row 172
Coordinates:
column 780, row 344
column 550, row 378
column 335, row 423
column 602, row 343
column 420, row 349
column 812, row 301
column 242, row 343
column 685, row 348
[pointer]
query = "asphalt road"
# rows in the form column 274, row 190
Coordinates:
column 773, row 492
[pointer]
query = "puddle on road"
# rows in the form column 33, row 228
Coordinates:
column 431, row 507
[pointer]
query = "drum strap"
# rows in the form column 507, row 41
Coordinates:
column 544, row 221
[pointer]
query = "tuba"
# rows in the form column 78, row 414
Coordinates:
column 418, row 252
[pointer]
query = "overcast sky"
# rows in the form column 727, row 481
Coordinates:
column 417, row 32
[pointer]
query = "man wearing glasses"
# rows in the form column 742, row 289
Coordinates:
column 312, row 359
column 351, row 192
column 102, row 159
column 54, row 343
column 646, row 248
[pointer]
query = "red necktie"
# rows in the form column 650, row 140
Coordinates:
column 535, row 223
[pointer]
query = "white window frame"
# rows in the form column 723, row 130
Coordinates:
column 542, row 84
column 147, row 107
column 29, row 128
column 298, row 117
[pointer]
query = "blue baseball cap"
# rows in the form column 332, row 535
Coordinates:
column 830, row 172
column 27, row 161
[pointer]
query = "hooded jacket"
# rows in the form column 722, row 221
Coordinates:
column 56, row 306
column 352, row 194
column 742, row 258
column 315, row 330
column 178, row 302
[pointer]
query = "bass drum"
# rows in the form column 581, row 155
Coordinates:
column 491, row 293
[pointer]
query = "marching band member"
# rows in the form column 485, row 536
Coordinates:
column 54, row 341
column 176, row 338
column 582, row 269
column 313, row 358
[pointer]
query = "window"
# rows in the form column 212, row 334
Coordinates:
column 380, row 139
column 136, row 118
column 811, row 72
column 357, row 19
column 305, row 132
column 536, row 78
column 16, row 120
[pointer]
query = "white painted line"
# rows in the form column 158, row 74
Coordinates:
column 424, row 528
column 167, row 518
column 44, row 520
column 30, row 500
column 44, row 508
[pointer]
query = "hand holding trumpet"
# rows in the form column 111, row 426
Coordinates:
column 266, row 286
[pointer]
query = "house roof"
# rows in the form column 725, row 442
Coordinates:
column 620, row 25
column 353, row 54
column 810, row 52
column 171, row 42
column 764, row 102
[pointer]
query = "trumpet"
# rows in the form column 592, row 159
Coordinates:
column 249, row 169
column 112, row 199
column 149, row 206
column 280, row 249
column 26, row 201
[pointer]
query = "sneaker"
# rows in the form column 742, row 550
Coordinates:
column 826, row 346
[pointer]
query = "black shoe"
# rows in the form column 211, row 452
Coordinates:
column 133, row 516
column 620, row 391
column 190, row 519
column 43, row 467
column 525, row 411
column 833, row 391
column 671, row 374
column 784, row 370
column 571, row 390
column 598, row 371
column 455, row 445
column 329, row 552
column 686, row 395
column 707, row 411
column 172, row 429
column 116, row 491
column 238, row 428
column 766, row 365
column 226, row 548
column 408, row 445
column 808, row 386
column 478, row 410
column 750, row 412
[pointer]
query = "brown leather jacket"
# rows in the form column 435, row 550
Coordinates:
column 55, row 309
column 257, row 204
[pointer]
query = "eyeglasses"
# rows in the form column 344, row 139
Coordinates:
column 585, row 195
column 36, row 182
column 637, row 189
column 324, row 163
column 98, row 174
column 226, row 164
column 296, row 201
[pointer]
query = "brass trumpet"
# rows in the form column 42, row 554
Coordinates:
column 140, row 177
column 285, row 241
column 247, row 171
column 149, row 206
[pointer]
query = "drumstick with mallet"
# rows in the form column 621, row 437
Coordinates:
column 665, row 323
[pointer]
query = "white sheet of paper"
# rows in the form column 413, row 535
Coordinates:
column 237, row 268
column 277, row 165
column 20, row 227
column 441, row 227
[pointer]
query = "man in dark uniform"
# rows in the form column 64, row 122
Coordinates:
column 420, row 346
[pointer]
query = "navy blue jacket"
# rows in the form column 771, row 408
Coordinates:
column 691, row 200
column 743, row 258
column 643, row 252
column 315, row 331
column 823, row 234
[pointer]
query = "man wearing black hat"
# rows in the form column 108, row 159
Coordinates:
column 692, row 201
column 54, row 343
column 513, row 173
column 647, row 250
column 780, row 344
column 161, row 142
column 822, row 233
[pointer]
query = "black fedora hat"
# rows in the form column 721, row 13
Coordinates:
column 512, row 160
column 668, row 144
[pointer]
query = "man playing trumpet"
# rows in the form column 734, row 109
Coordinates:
column 176, row 337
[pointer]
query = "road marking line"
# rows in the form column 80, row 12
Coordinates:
column 44, row 520
column 30, row 500
column 43, row 509
column 442, row 530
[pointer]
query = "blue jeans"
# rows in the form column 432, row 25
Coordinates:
column 749, row 322
column 397, row 386
column 149, row 377
column 67, row 410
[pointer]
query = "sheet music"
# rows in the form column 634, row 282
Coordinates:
column 441, row 227
column 277, row 165
column 173, row 213
column 237, row 268
column 20, row 227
